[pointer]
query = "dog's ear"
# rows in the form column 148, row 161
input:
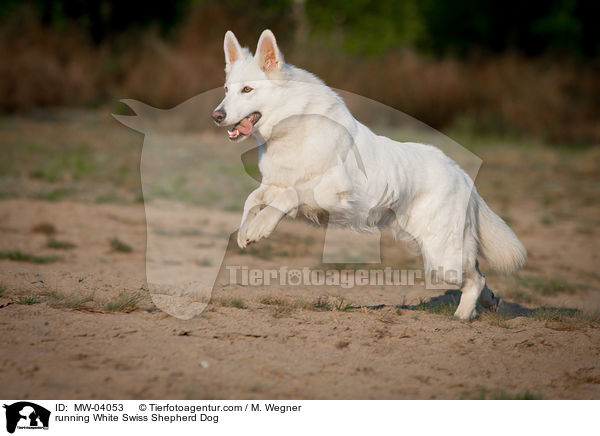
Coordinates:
column 232, row 49
column 267, row 55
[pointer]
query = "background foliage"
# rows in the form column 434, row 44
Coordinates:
column 512, row 66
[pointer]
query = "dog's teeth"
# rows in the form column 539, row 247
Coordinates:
column 233, row 133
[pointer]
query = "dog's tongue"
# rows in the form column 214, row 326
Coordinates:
column 245, row 126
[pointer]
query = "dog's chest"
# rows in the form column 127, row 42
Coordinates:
column 286, row 166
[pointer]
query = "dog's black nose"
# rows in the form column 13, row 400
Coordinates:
column 218, row 115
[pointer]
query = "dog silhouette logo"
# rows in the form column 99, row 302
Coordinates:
column 26, row 415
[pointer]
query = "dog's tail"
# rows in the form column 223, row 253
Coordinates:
column 497, row 242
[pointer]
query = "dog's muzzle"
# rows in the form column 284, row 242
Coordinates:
column 218, row 116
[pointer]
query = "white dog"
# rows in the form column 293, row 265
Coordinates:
column 317, row 159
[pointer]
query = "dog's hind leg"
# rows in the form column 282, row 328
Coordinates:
column 473, row 284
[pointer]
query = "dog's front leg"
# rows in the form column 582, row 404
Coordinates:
column 285, row 202
column 251, row 208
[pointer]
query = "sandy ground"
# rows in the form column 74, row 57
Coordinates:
column 260, row 342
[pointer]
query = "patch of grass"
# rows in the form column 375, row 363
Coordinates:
column 63, row 301
column 545, row 286
column 117, row 245
column 70, row 165
column 326, row 304
column 27, row 301
column 108, row 198
column 521, row 295
column 54, row 194
column 321, row 304
column 19, row 256
column 447, row 309
column 281, row 311
column 495, row 319
column 205, row 261
column 125, row 302
column 44, row 228
column 565, row 319
column 238, row 303
column 60, row 245
column 273, row 301
column 279, row 306
column 550, row 314
column 485, row 394
column 206, row 244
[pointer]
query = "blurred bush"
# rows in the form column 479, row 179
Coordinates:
column 529, row 68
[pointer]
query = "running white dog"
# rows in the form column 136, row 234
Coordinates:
column 317, row 159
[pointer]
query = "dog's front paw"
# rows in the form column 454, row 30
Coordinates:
column 257, row 229
column 241, row 236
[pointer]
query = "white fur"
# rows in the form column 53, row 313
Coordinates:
column 314, row 156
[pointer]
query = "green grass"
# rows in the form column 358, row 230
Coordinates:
column 125, row 302
column 544, row 285
column 108, row 198
column 485, row 394
column 562, row 315
column 447, row 309
column 238, row 303
column 54, row 194
column 74, row 165
column 205, row 261
column 58, row 300
column 27, row 301
column 19, row 256
column 117, row 245
column 60, row 245
column 321, row 304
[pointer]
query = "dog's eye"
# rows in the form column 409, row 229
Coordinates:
column 226, row 89
column 246, row 89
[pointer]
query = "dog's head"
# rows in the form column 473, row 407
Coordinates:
column 252, row 88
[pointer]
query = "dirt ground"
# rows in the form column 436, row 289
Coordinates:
column 78, row 320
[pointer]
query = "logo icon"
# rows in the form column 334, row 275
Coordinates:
column 26, row 415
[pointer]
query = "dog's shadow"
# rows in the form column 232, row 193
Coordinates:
column 507, row 309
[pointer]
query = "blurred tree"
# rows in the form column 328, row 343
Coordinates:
column 103, row 18
column 533, row 27
column 368, row 27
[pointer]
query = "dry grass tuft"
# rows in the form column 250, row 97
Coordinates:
column 238, row 303
column 19, row 256
column 117, row 245
column 125, row 302
column 60, row 245
column 44, row 228
column 69, row 301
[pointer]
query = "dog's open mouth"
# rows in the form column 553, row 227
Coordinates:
column 244, row 127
